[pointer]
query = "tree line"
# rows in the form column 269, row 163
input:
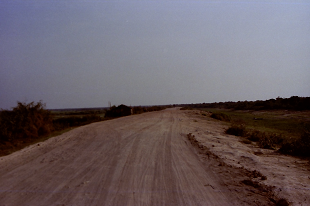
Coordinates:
column 292, row 103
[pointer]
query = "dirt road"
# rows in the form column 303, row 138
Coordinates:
column 136, row 160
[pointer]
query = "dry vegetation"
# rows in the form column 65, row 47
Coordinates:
column 221, row 116
column 141, row 109
column 30, row 123
column 287, row 132
column 24, row 124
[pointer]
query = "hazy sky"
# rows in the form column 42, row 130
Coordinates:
column 85, row 53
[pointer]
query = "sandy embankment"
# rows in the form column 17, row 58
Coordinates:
column 287, row 176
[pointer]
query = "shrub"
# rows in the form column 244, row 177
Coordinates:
column 277, row 138
column 25, row 121
column 237, row 130
column 120, row 111
column 138, row 110
column 299, row 147
column 266, row 142
column 270, row 140
column 255, row 136
column 221, row 116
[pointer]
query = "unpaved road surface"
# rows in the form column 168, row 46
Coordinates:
column 142, row 159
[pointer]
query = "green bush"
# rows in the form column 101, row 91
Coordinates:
column 221, row 116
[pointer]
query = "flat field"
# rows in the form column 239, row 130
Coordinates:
column 289, row 123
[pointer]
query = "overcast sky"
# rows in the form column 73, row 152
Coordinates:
column 72, row 54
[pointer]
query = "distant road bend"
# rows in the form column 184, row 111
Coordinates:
column 136, row 160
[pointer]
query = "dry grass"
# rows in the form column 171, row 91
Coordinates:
column 287, row 131
column 26, row 121
column 221, row 116
column 31, row 123
column 288, row 123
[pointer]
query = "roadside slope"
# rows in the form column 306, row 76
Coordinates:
column 275, row 175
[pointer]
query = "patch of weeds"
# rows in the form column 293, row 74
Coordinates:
column 265, row 140
column 255, row 136
column 237, row 130
column 270, row 140
column 298, row 147
column 221, row 117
